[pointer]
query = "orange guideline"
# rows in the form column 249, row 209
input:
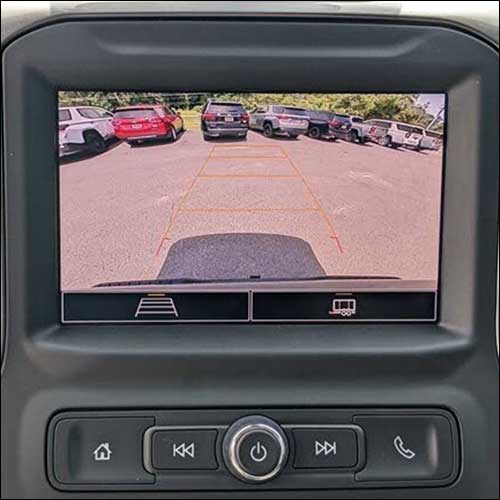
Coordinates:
column 200, row 176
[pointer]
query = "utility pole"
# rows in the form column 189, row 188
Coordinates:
column 436, row 119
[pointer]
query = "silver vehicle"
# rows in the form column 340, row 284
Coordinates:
column 277, row 119
column 84, row 128
column 359, row 129
column 432, row 140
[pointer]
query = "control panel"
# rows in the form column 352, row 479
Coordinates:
column 252, row 449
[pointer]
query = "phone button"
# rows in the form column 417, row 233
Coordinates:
column 407, row 448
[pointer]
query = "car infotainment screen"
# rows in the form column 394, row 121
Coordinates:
column 249, row 207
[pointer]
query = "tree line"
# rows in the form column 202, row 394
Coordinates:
column 402, row 107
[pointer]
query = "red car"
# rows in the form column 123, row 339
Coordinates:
column 135, row 124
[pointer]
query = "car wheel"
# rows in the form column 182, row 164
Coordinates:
column 94, row 142
column 315, row 133
column 385, row 141
column 268, row 130
column 206, row 137
column 353, row 136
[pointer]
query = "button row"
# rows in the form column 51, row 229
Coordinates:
column 248, row 306
column 122, row 450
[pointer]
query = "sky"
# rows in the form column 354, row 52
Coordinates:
column 435, row 101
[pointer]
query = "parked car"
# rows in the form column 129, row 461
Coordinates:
column 136, row 124
column 84, row 128
column 276, row 119
column 359, row 131
column 340, row 126
column 319, row 124
column 224, row 119
column 376, row 130
column 432, row 140
column 395, row 134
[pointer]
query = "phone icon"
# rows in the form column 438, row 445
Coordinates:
column 402, row 450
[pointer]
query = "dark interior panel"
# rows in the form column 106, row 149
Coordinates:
column 214, row 374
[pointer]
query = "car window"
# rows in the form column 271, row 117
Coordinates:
column 342, row 118
column 431, row 133
column 136, row 113
column 88, row 113
column 226, row 108
column 408, row 128
column 293, row 111
column 104, row 114
column 317, row 115
column 356, row 119
column 64, row 115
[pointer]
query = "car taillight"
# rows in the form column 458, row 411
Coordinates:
column 245, row 117
column 155, row 120
column 209, row 116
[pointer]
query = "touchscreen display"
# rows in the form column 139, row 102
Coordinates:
column 248, row 207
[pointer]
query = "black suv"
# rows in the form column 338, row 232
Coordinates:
column 224, row 119
column 319, row 124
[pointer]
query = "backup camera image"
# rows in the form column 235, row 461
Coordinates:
column 240, row 206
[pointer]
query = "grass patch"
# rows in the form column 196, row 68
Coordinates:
column 191, row 119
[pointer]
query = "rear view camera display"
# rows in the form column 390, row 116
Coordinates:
column 249, row 207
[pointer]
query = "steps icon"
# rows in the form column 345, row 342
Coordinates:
column 156, row 305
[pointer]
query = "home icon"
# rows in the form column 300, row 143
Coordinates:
column 102, row 453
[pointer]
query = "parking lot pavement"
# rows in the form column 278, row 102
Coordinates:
column 365, row 210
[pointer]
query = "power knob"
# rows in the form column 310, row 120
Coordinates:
column 255, row 449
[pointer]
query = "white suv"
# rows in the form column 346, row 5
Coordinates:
column 84, row 128
column 398, row 134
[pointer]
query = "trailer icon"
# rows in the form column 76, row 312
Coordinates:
column 343, row 307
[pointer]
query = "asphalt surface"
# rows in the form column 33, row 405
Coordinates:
column 364, row 210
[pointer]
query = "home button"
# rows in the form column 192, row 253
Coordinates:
column 100, row 450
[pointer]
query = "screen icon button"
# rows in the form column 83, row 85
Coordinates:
column 343, row 306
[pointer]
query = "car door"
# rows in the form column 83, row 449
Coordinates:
column 106, row 121
column 174, row 118
column 93, row 118
column 257, row 118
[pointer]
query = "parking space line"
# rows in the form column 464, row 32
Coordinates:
column 166, row 233
column 227, row 209
column 329, row 223
column 247, row 157
column 248, row 176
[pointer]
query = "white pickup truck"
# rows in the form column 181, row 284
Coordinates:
column 84, row 128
